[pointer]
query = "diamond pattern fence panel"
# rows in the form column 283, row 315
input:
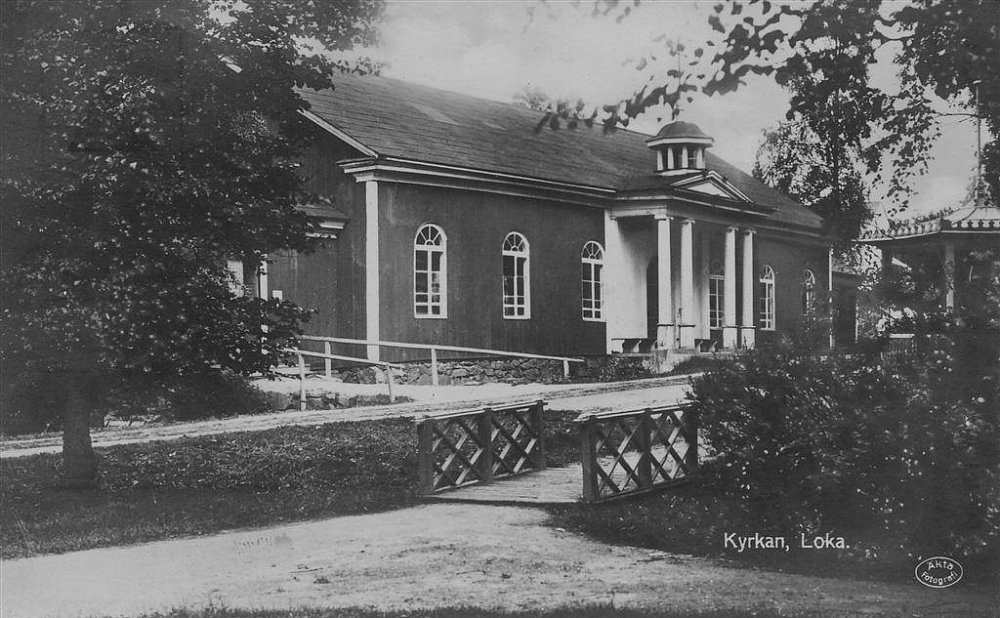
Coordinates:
column 477, row 446
column 635, row 451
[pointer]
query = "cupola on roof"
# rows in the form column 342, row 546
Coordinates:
column 679, row 130
column 680, row 148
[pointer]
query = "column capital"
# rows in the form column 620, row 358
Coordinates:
column 748, row 231
column 662, row 216
column 687, row 220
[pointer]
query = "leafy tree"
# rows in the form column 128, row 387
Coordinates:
column 534, row 98
column 821, row 52
column 820, row 174
column 144, row 145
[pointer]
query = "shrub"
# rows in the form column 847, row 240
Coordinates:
column 216, row 394
column 899, row 458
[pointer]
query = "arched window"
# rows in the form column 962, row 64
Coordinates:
column 766, row 298
column 716, row 294
column 592, row 259
column 808, row 292
column 516, row 278
column 430, row 273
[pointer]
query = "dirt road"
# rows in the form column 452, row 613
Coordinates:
column 427, row 399
column 430, row 556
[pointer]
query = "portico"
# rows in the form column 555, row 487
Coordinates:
column 681, row 253
column 679, row 283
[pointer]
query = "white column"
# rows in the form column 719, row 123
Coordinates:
column 748, row 330
column 671, row 164
column 262, row 283
column 949, row 275
column 664, row 288
column 729, row 295
column 686, row 318
column 701, row 158
column 612, row 278
column 684, row 157
column 372, row 265
column 659, row 160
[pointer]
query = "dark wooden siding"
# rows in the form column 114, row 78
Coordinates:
column 790, row 261
column 476, row 225
column 330, row 280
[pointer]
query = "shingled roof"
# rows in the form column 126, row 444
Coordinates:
column 418, row 123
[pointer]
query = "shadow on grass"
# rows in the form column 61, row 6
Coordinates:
column 163, row 490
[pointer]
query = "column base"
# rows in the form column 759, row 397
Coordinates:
column 686, row 335
column 748, row 337
column 729, row 337
column 665, row 337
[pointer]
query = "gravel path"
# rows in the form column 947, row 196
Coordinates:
column 427, row 400
column 438, row 555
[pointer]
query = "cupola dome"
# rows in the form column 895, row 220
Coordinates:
column 680, row 148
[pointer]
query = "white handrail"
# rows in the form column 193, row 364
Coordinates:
column 566, row 360
column 302, row 370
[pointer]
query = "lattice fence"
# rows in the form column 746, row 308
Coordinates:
column 478, row 446
column 637, row 450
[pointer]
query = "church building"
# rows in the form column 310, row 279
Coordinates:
column 454, row 220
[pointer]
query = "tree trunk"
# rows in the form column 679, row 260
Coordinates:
column 79, row 461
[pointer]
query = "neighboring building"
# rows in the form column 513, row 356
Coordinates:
column 457, row 221
column 942, row 247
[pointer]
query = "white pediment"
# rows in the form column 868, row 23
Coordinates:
column 712, row 184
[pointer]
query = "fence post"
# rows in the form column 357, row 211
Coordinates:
column 485, row 428
column 691, row 420
column 328, row 363
column 434, row 367
column 644, row 467
column 538, row 426
column 588, row 457
column 566, row 369
column 302, row 382
column 425, row 456
column 388, row 381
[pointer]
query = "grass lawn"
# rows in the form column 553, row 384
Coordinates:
column 163, row 490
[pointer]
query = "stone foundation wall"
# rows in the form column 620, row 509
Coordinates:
column 509, row 371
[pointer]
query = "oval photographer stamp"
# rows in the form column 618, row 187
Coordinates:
column 938, row 572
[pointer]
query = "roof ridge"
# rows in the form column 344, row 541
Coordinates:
column 510, row 104
column 386, row 115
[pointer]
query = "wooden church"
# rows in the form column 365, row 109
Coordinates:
column 451, row 220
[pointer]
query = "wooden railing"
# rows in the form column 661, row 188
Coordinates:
column 479, row 446
column 301, row 354
column 637, row 450
column 434, row 349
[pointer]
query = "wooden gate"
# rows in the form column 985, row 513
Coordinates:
column 477, row 446
column 637, row 450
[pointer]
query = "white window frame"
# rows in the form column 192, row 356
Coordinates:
column 692, row 157
column 808, row 292
column 517, row 253
column 430, row 241
column 717, row 293
column 592, row 293
column 766, row 298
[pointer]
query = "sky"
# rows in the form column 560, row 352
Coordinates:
column 494, row 50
